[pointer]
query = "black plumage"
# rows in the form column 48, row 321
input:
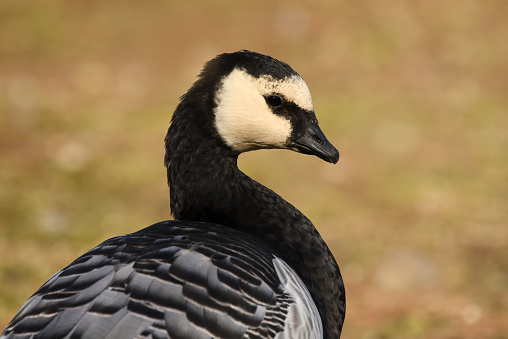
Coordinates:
column 210, row 272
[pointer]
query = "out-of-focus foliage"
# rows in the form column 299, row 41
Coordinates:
column 413, row 93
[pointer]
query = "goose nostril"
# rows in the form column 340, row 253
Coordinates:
column 317, row 138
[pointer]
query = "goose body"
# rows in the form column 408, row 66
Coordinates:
column 238, row 261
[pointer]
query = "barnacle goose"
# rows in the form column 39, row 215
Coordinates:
column 238, row 261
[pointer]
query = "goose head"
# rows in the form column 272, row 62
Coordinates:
column 256, row 102
column 264, row 103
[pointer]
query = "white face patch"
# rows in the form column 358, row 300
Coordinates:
column 243, row 118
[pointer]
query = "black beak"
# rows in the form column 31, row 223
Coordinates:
column 314, row 142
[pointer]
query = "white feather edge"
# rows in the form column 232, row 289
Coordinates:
column 303, row 319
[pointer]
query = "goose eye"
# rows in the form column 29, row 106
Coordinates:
column 274, row 100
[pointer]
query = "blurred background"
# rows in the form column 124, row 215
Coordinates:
column 413, row 94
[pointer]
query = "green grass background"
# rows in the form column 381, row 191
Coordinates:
column 414, row 94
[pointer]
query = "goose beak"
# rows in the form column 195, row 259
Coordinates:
column 314, row 142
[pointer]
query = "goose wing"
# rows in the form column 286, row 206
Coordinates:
column 170, row 280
